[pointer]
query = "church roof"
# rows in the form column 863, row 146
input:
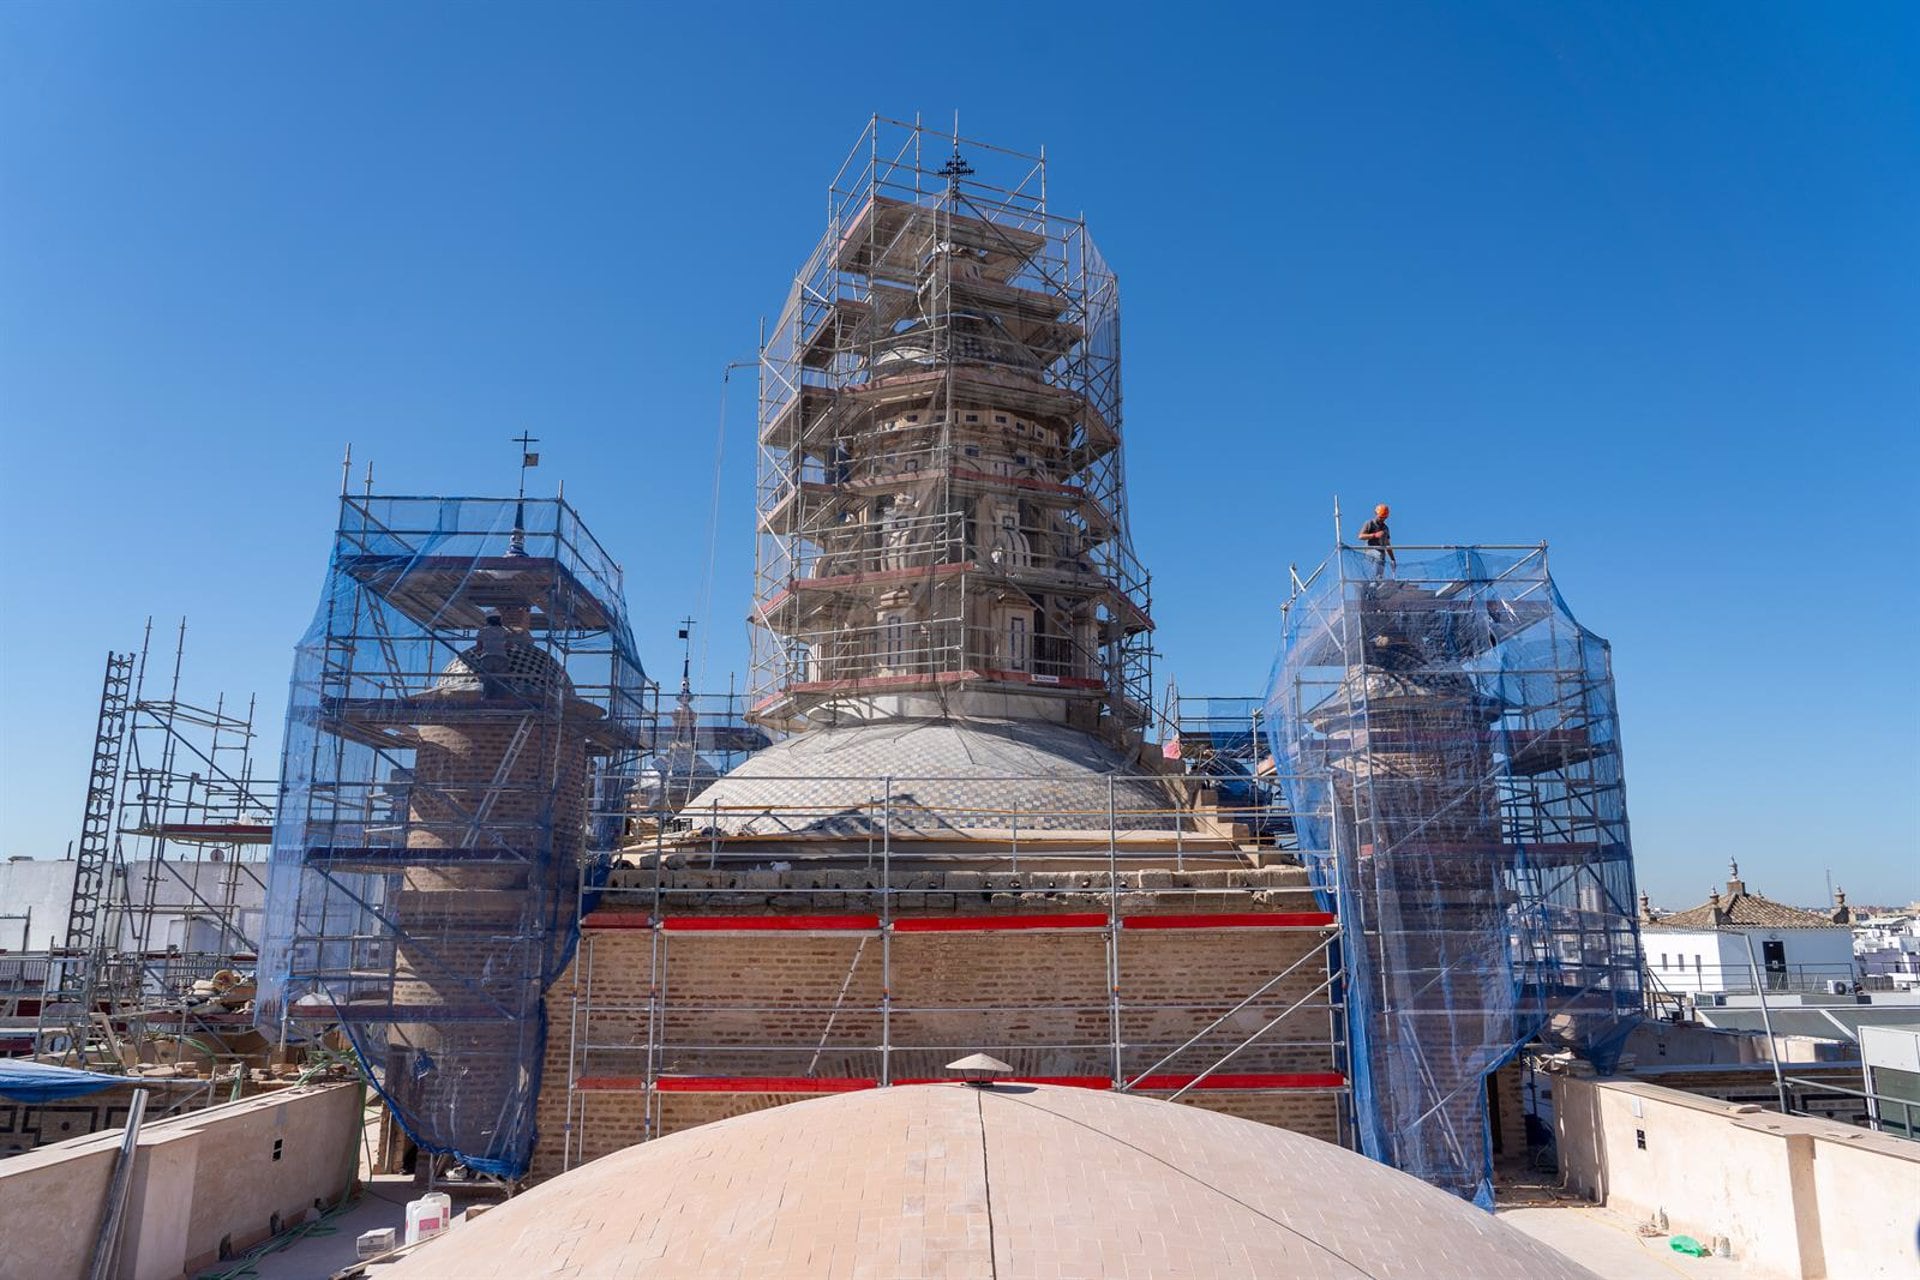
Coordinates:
column 1741, row 909
column 1017, row 1180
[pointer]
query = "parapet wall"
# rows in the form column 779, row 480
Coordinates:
column 657, row 1009
column 1795, row 1197
column 207, row 1183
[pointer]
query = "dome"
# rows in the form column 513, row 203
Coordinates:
column 670, row 779
column 948, row 775
column 524, row 668
column 1017, row 1180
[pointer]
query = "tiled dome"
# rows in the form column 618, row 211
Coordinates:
column 948, row 775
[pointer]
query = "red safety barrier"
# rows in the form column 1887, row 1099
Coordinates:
column 808, row 1084
column 1233, row 920
column 1222, row 1080
column 770, row 924
column 990, row 924
column 1067, row 1082
column 760, row 1084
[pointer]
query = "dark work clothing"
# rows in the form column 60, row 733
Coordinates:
column 1380, row 548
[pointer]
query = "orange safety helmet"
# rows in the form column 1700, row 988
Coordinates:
column 1381, row 510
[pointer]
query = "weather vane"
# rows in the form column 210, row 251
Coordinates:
column 517, row 545
column 528, row 458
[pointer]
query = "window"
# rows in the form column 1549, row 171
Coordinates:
column 1011, row 546
column 1000, row 419
column 893, row 639
column 1697, row 966
column 973, row 417
column 913, row 417
column 1663, row 959
column 971, row 450
column 1018, row 656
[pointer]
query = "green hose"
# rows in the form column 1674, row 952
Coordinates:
column 321, row 1226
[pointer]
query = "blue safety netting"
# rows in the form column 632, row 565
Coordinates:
column 466, row 718
column 23, row 1080
column 1447, row 736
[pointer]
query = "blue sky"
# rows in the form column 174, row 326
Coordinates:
column 1639, row 280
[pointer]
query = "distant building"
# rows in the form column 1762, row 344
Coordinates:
column 1725, row 943
column 1886, row 950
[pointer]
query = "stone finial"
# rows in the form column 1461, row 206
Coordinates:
column 1735, row 885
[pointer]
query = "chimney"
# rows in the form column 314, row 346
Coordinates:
column 1735, row 885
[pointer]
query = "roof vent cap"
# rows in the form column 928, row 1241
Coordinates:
column 979, row 1070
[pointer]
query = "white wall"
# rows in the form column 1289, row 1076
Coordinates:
column 1710, row 960
column 42, row 887
column 46, row 888
column 1799, row 1199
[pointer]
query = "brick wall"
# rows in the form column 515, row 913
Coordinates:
column 482, row 937
column 797, row 1005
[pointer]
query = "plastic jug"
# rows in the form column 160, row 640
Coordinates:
column 428, row 1216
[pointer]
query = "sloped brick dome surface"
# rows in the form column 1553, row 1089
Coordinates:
column 1018, row 1180
column 523, row 668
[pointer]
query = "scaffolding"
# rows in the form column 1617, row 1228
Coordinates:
column 941, row 511
column 161, row 936
column 466, row 719
column 715, row 965
column 1448, row 739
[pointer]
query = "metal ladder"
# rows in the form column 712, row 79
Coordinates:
column 72, row 973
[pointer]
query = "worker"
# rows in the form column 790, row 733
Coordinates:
column 1379, row 541
column 492, row 650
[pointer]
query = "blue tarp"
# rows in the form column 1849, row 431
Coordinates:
column 25, row 1081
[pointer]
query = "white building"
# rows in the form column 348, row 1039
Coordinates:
column 1724, row 944
column 188, row 904
column 1887, row 951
